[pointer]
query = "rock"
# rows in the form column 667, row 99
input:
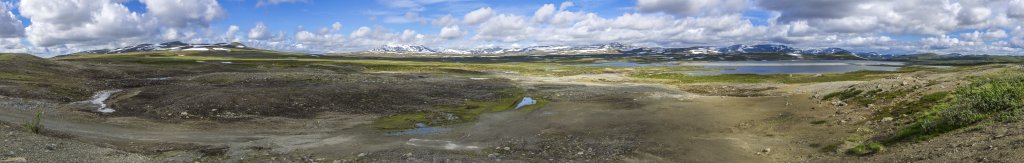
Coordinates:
column 361, row 155
column 887, row 119
column 839, row 103
column 15, row 159
column 407, row 155
column 51, row 147
column 766, row 150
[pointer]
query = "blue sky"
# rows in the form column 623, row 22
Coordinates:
column 49, row 27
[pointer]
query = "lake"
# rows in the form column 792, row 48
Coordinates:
column 774, row 67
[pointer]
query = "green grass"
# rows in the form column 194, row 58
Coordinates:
column 866, row 149
column 924, row 103
column 468, row 112
column 35, row 125
column 429, row 65
column 997, row 98
column 756, row 78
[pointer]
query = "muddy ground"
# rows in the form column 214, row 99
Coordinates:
column 225, row 113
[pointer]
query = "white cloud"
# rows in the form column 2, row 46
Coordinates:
column 11, row 45
column 478, row 16
column 980, row 36
column 336, row 27
column 974, row 15
column 83, row 22
column 507, row 28
column 544, row 13
column 451, row 32
column 565, row 5
column 10, row 26
column 692, row 7
column 445, row 20
column 361, row 32
column 1016, row 9
column 230, row 34
column 185, row 13
column 260, row 32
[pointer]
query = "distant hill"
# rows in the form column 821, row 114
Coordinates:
column 167, row 46
column 610, row 48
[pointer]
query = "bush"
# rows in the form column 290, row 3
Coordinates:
column 995, row 98
column 1003, row 96
column 34, row 126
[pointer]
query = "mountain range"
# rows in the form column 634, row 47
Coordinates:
column 610, row 48
column 175, row 45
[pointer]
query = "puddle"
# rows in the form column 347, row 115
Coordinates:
column 527, row 101
column 101, row 97
column 160, row 78
column 442, row 144
column 421, row 129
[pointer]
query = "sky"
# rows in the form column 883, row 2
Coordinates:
column 54, row 27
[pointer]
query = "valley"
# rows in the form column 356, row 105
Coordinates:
column 252, row 105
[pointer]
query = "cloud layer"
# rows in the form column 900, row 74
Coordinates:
column 905, row 26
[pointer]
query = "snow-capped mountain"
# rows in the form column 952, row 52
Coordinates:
column 175, row 45
column 610, row 48
column 404, row 49
column 762, row 48
column 825, row 51
column 772, row 48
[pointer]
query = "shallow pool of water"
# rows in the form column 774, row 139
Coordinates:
column 527, row 101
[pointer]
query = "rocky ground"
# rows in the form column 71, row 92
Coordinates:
column 325, row 112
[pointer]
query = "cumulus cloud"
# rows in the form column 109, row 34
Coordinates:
column 507, row 28
column 1016, row 9
column 451, row 32
column 230, row 34
column 566, row 5
column 56, row 22
column 979, row 36
column 692, row 7
column 478, row 16
column 10, row 26
column 260, row 32
column 544, row 13
column 925, row 17
column 185, row 13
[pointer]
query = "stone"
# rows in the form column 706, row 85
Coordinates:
column 888, row 119
column 15, row 159
column 361, row 155
column 839, row 103
column 766, row 150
